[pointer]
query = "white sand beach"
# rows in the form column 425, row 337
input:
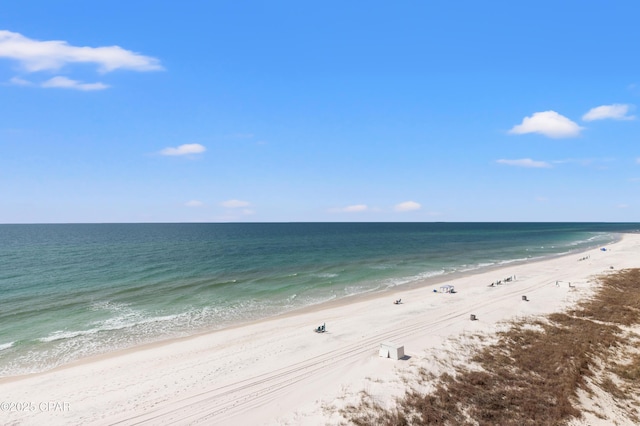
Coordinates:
column 279, row 371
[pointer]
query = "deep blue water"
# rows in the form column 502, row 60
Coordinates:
column 69, row 291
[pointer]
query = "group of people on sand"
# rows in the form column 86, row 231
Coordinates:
column 504, row 280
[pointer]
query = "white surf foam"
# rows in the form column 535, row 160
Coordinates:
column 6, row 346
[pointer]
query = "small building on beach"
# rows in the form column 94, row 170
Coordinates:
column 391, row 350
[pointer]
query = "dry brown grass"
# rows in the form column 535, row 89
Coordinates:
column 532, row 375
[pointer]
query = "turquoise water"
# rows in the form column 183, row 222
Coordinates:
column 70, row 291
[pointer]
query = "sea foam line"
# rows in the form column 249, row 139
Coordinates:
column 112, row 324
column 6, row 346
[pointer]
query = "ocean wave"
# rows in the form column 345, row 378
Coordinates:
column 61, row 334
column 519, row 259
column 382, row 267
column 358, row 289
column 326, row 275
column 503, row 262
column 6, row 345
column 127, row 321
column 107, row 305
column 398, row 281
column 597, row 237
column 474, row 267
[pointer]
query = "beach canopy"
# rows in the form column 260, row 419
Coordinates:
column 446, row 288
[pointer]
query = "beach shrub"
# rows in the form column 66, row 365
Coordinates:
column 533, row 374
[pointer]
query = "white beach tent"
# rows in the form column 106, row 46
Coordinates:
column 446, row 288
column 391, row 350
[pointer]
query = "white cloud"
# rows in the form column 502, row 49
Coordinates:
column 194, row 203
column 35, row 55
column 525, row 162
column 355, row 208
column 17, row 81
column 234, row 204
column 350, row 209
column 547, row 123
column 614, row 112
column 61, row 82
column 581, row 161
column 407, row 206
column 186, row 149
column 638, row 160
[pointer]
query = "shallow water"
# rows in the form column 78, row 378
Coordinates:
column 70, row 291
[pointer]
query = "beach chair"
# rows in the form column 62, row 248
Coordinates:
column 397, row 302
column 320, row 329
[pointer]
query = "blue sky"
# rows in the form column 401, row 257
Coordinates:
column 218, row 111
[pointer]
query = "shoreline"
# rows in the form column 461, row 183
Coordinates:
column 278, row 370
column 435, row 280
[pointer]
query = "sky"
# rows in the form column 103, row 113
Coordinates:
column 334, row 111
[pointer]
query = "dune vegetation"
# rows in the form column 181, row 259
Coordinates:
column 558, row 369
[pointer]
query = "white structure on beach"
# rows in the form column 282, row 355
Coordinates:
column 446, row 289
column 391, row 350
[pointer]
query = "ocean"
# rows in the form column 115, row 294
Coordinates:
column 71, row 291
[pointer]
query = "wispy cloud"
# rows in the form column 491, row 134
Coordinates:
column 234, row 204
column 525, row 162
column 17, row 81
column 237, row 210
column 61, row 82
column 598, row 163
column 194, row 203
column 613, row 112
column 36, row 55
column 186, row 149
column 407, row 206
column 547, row 123
column 581, row 161
column 355, row 208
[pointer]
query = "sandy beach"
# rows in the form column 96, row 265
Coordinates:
column 279, row 371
